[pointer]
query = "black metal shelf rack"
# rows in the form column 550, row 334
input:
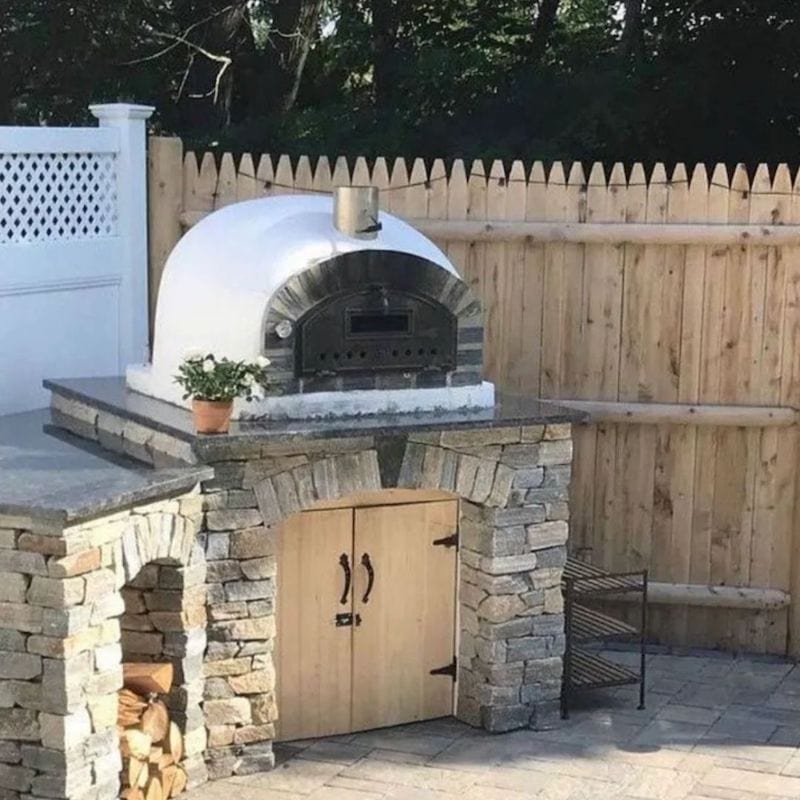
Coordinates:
column 584, row 669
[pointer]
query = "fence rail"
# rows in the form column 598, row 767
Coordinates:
column 668, row 305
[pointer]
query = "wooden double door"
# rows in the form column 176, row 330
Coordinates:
column 365, row 617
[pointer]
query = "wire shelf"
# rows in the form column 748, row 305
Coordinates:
column 584, row 669
column 592, row 671
column 588, row 625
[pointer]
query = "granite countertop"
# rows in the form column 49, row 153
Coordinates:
column 48, row 474
column 111, row 394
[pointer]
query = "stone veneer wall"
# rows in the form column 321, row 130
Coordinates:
column 513, row 483
column 60, row 651
column 514, row 528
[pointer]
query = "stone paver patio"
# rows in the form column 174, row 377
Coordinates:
column 715, row 727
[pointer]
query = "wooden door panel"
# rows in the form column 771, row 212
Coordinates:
column 313, row 656
column 408, row 621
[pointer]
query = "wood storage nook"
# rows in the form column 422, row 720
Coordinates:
column 366, row 616
column 161, row 619
column 151, row 743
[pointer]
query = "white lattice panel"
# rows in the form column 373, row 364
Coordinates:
column 50, row 197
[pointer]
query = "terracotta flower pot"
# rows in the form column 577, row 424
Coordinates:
column 212, row 416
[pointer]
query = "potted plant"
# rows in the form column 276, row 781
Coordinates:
column 213, row 384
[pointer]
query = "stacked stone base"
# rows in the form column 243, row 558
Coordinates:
column 193, row 580
column 513, row 483
column 61, row 645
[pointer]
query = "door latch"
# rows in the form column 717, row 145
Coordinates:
column 447, row 541
column 347, row 620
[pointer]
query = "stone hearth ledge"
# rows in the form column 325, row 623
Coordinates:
column 509, row 465
column 160, row 419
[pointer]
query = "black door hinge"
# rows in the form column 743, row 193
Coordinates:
column 447, row 541
column 450, row 669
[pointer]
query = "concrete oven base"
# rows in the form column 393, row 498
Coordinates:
column 512, row 481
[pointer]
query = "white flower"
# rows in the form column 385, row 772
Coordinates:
column 248, row 379
column 208, row 365
column 192, row 353
column 263, row 361
column 257, row 392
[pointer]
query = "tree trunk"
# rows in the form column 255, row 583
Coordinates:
column 631, row 46
column 384, row 43
column 217, row 33
column 294, row 26
column 542, row 29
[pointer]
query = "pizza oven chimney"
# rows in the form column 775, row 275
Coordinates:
column 355, row 211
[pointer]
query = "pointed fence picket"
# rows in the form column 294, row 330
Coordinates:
column 628, row 287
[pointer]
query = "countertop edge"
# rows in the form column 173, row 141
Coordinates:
column 54, row 385
column 65, row 515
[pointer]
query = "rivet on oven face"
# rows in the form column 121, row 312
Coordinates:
column 283, row 330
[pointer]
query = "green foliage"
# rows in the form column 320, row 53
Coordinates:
column 209, row 378
column 699, row 80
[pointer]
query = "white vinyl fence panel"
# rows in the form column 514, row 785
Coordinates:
column 73, row 245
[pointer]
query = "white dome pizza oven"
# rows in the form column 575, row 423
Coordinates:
column 358, row 312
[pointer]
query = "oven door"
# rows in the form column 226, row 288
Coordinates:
column 376, row 329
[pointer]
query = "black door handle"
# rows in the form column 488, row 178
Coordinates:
column 367, row 564
column 344, row 562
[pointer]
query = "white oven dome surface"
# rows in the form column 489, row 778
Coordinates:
column 218, row 280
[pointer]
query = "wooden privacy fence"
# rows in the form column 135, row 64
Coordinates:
column 666, row 305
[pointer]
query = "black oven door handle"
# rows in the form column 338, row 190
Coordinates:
column 344, row 562
column 367, row 564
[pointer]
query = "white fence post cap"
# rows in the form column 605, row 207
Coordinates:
column 121, row 111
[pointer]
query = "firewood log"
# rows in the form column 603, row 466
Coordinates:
column 165, row 761
column 179, row 783
column 174, row 743
column 155, row 755
column 153, row 790
column 145, row 678
column 132, row 793
column 139, row 743
column 168, row 775
column 130, row 699
column 138, row 773
column 127, row 718
column 155, row 720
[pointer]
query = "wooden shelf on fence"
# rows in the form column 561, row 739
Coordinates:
column 655, row 233
column 689, row 233
column 740, row 597
column 684, row 414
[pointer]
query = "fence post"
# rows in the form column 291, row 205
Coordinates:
column 165, row 204
column 130, row 120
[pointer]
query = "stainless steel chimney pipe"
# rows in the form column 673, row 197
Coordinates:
column 355, row 211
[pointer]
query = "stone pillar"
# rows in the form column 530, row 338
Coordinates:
column 60, row 662
column 514, row 485
column 240, row 678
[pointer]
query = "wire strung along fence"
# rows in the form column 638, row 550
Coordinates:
column 668, row 305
